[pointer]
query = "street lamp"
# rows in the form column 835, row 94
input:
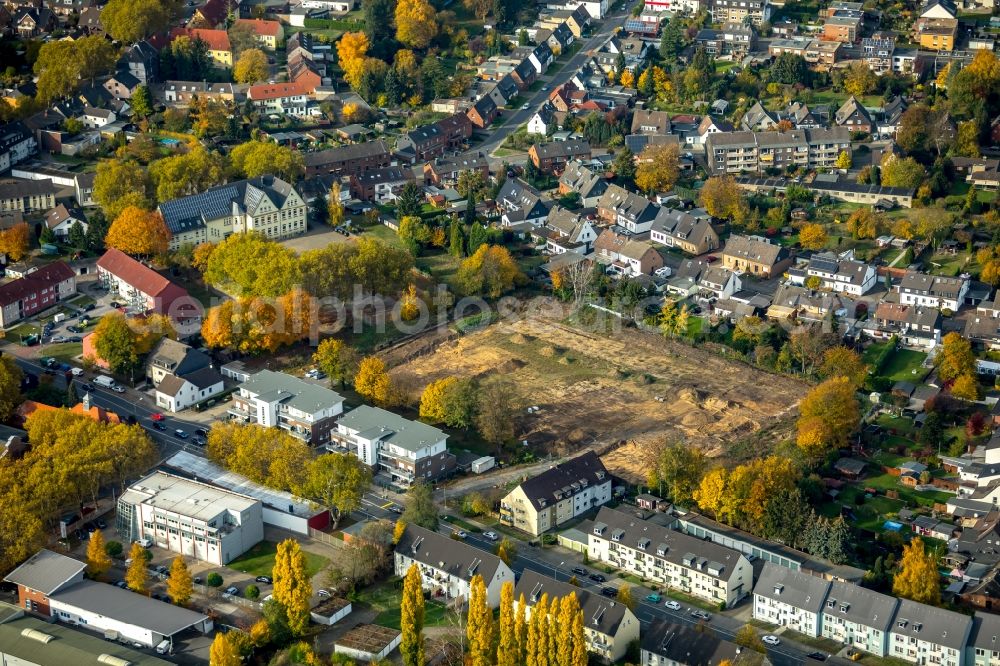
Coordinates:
column 555, row 570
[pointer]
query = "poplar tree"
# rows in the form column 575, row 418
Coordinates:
column 507, row 647
column 98, row 560
column 180, row 587
column 521, row 629
column 479, row 629
column 580, row 655
column 135, row 576
column 533, row 647
column 567, row 607
column 411, row 619
column 223, row 652
column 292, row 588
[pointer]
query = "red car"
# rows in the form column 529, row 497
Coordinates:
column 156, row 416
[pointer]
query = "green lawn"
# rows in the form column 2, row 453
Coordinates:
column 259, row 560
column 440, row 264
column 22, row 330
column 897, row 423
column 384, row 233
column 81, row 301
column 64, row 351
column 384, row 598
column 905, row 365
column 909, row 495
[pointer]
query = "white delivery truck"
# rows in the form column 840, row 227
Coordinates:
column 163, row 647
column 104, row 381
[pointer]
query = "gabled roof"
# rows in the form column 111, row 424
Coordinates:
column 137, row 275
column 214, row 11
column 46, row 572
column 600, row 614
column 678, row 644
column 192, row 212
column 583, row 471
column 934, row 625
column 583, row 179
column 443, row 553
column 261, row 27
column 794, row 588
column 61, row 214
column 852, row 107
column 44, row 278
column 217, row 40
column 754, row 250
column 860, row 605
column 935, row 285
column 559, row 149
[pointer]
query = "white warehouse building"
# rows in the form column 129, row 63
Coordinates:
column 191, row 518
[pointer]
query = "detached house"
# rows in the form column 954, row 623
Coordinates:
column 676, row 228
column 916, row 326
column 589, row 182
column 549, row 157
column 633, row 212
column 60, row 219
column 755, row 256
column 944, row 293
column 669, row 644
column 719, row 282
column 519, row 203
column 836, row 274
column 268, row 33
column 557, row 495
column 625, row 256
column 568, row 232
column 790, row 599
column 677, row 560
column 854, row 116
column 447, row 566
column 220, row 50
column 608, row 626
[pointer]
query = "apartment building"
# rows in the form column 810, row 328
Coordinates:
column 844, row 25
column 447, row 566
column 738, row 152
column 380, row 185
column 26, row 196
column 858, row 617
column 558, row 494
column 291, row 98
column 17, row 144
column 429, row 141
column 836, row 274
column 669, row 644
column 401, row 451
column 267, row 205
column 277, row 400
column 923, row 634
column 790, row 599
column 608, row 626
column 937, row 291
column 877, row 51
column 549, row 157
column 738, row 11
column 143, row 289
column 348, row 160
column 35, row 292
column 699, row 568
column 190, row 518
column 985, row 640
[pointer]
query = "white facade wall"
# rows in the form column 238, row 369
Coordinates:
column 96, row 622
column 855, row 634
column 288, row 521
column 785, row 615
column 237, row 532
column 919, row 651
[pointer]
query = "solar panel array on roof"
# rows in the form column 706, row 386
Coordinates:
column 825, row 265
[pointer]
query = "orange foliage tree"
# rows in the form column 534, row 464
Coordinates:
column 14, row 241
column 138, row 232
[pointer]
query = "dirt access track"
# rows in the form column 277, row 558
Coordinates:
column 628, row 389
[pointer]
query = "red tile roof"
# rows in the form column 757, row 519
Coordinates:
column 43, row 278
column 214, row 11
column 217, row 40
column 142, row 278
column 262, row 27
column 277, row 90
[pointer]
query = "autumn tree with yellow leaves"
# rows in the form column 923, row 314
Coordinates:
column 138, row 232
column 721, row 197
column 374, row 382
column 251, row 67
column 813, row 236
column 491, row 271
column 416, row 23
column 827, row 416
column 98, row 560
column 180, row 586
column 15, row 241
column 917, row 578
column 479, row 628
column 449, row 400
column 292, row 588
column 658, row 168
column 223, row 652
column 352, row 51
column 136, row 575
column 336, row 359
column 411, row 621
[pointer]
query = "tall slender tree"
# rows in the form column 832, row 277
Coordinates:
column 479, row 629
column 580, row 655
column 98, row 560
column 521, row 629
column 292, row 588
column 411, row 609
column 507, row 649
column 135, row 575
column 180, row 587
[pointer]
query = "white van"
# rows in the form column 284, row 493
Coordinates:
column 145, row 543
column 163, row 647
column 104, row 381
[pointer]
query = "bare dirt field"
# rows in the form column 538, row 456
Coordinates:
column 619, row 392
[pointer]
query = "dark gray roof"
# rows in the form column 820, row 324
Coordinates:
column 860, row 605
column 441, row 552
column 986, row 632
column 931, row 624
column 687, row 645
column 204, row 377
column 291, row 391
column 570, row 148
column 16, row 188
column 792, row 587
column 128, row 607
column 936, row 285
column 192, row 212
column 344, row 153
column 580, row 471
column 46, row 571
column 600, row 614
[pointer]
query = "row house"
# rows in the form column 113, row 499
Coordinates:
column 836, row 274
column 380, row 185
column 923, row 634
column 184, row 92
column 590, row 182
column 669, row 644
column 609, row 627
column 846, row 189
column 445, row 171
column 520, row 203
column 281, row 98
column 756, row 256
column 553, row 156
column 16, row 145
column 429, row 141
column 557, row 495
column 858, row 617
column 484, row 111
column 790, row 599
column 348, row 160
column 566, row 231
column 914, row 325
column 628, row 210
column 737, row 152
column 402, row 452
column 37, row 291
column 625, row 256
column 936, row 291
column 676, row 228
column 702, row 569
column 447, row 566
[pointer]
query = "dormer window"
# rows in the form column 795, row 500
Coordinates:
column 779, row 588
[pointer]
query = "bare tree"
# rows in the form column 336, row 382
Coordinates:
column 580, row 277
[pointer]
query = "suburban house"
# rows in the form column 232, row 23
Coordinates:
column 549, row 157
column 836, row 274
column 755, row 256
column 37, row 291
column 936, row 291
column 853, row 115
column 184, row 92
column 519, row 203
column 143, row 61
column 858, row 617
column 625, row 256
column 181, row 375
column 401, row 451
column 429, row 141
column 483, row 112
column 718, row 282
column 60, row 219
column 802, row 303
column 983, row 327
column 543, row 122
column 447, row 566
column 668, row 557
column 445, row 171
column 676, row 228
column 268, row 33
column 190, row 518
column 568, row 232
column 633, row 212
column 923, row 634
column 278, row 400
column 144, row 289
column 267, row 205
column 220, row 50
column 53, row 587
column 589, row 182
column 380, row 185
column 608, row 625
column 292, row 98
column 669, row 644
column 790, row 599
column 558, row 494
column 348, row 160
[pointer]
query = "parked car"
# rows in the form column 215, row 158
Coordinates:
column 854, row 655
column 771, row 640
column 580, row 571
column 395, row 508
column 115, row 304
column 76, row 372
column 597, row 578
column 817, row 656
column 159, row 426
column 118, row 389
column 74, row 329
column 233, row 590
column 199, row 441
column 609, row 591
column 525, row 106
column 701, row 615
column 462, row 534
column 672, row 605
column 180, row 433
column 89, row 306
column 74, row 338
column 322, row 593
column 201, row 431
column 162, row 569
column 264, row 579
column 196, row 580
column 492, row 536
column 653, row 598
column 87, row 386
column 122, row 584
column 101, row 524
